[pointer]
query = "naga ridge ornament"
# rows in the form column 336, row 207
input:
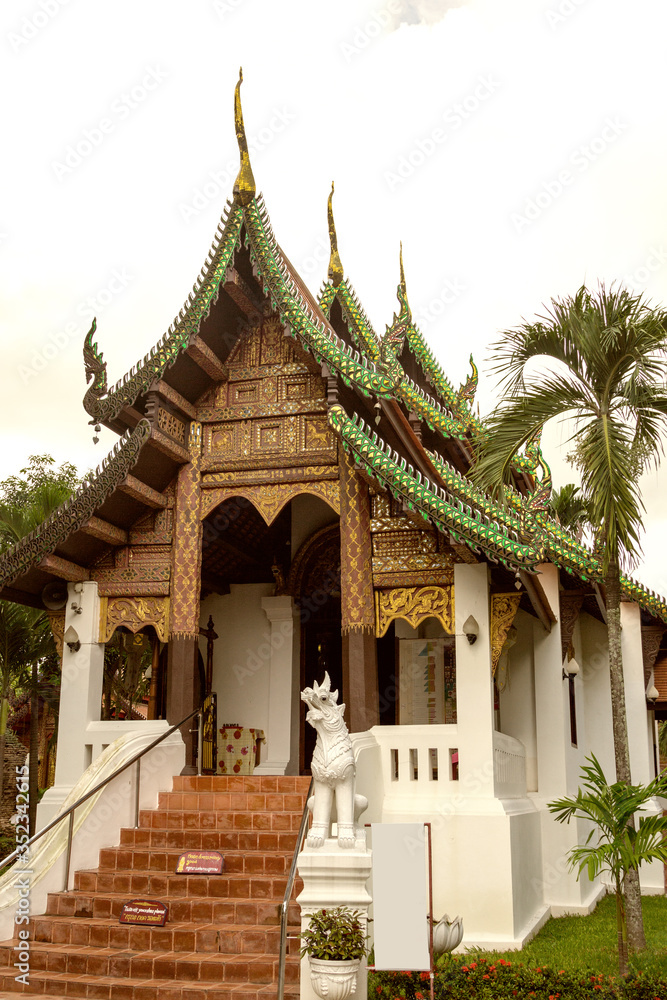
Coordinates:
column 333, row 768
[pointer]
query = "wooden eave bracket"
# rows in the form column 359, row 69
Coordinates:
column 206, row 359
column 134, row 488
column 601, row 601
column 244, row 296
column 64, row 569
column 168, row 446
column 538, row 599
column 170, row 395
column 104, row 531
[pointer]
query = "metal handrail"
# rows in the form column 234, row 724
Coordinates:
column 70, row 811
column 288, row 892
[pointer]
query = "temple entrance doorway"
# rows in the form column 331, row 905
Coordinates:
column 315, row 583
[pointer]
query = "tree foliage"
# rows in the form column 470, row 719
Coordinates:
column 614, row 844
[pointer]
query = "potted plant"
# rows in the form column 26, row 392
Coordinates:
column 335, row 942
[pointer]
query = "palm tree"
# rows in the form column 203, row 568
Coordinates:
column 619, row 848
column 606, row 367
column 569, row 506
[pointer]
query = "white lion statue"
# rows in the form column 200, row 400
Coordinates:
column 333, row 768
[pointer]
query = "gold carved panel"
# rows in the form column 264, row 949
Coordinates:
column 171, row 425
column 270, row 498
column 415, row 605
column 57, row 623
column 134, row 613
column 503, row 611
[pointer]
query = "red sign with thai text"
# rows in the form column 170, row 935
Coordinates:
column 150, row 912
column 200, row 863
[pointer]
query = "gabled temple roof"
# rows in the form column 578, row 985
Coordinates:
column 428, row 473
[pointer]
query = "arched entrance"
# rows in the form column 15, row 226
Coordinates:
column 315, row 585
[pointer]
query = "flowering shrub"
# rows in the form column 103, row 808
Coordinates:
column 460, row 978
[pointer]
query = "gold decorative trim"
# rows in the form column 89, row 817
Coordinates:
column 134, row 613
column 272, row 497
column 57, row 623
column 503, row 612
column 415, row 605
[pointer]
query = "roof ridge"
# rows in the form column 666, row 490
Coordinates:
column 195, row 308
column 72, row 513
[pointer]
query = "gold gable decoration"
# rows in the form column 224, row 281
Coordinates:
column 415, row 605
column 271, row 498
column 134, row 613
column 503, row 612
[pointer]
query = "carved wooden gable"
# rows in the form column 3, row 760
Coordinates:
column 271, row 410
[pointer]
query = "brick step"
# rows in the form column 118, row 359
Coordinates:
column 139, row 859
column 197, row 909
column 230, row 939
column 246, row 819
column 241, row 782
column 218, row 801
column 53, row 986
column 182, row 966
column 167, row 885
column 209, row 840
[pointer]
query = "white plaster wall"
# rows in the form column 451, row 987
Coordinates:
column 597, row 735
column 241, row 654
column 517, row 700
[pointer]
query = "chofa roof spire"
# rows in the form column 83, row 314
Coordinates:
column 244, row 185
column 335, row 266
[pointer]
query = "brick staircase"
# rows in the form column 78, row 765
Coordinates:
column 222, row 934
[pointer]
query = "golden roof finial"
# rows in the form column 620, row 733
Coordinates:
column 402, row 294
column 244, row 185
column 335, row 265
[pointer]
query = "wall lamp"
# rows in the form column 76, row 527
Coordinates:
column 471, row 629
column 72, row 640
column 652, row 694
column 570, row 668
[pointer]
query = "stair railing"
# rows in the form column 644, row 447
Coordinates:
column 84, row 798
column 284, row 906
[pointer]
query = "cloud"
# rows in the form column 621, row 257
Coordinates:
column 422, row 11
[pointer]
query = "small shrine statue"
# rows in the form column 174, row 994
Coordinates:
column 333, row 768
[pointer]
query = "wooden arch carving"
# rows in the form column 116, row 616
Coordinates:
column 270, row 498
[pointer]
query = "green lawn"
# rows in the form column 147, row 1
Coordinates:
column 583, row 944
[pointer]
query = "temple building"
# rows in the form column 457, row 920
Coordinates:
column 290, row 495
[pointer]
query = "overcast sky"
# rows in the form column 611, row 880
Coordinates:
column 517, row 148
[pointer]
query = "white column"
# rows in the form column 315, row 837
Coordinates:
column 557, row 762
column 80, row 696
column 474, row 683
column 280, row 612
column 333, row 876
column 641, row 766
column 652, row 876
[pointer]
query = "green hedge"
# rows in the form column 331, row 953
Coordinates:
column 459, row 978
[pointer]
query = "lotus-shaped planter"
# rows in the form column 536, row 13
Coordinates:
column 334, row 980
column 447, row 934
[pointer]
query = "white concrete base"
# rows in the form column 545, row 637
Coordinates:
column 526, row 934
column 272, row 767
column 333, row 876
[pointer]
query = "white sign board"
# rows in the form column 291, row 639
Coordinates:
column 400, row 896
